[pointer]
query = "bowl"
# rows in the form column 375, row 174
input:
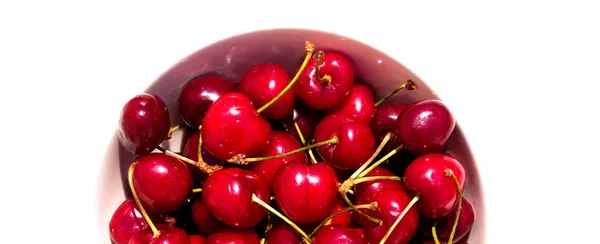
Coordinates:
column 233, row 56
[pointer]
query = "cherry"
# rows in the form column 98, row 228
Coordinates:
column 233, row 127
column 126, row 221
column 360, row 232
column 233, row 236
column 356, row 141
column 283, row 234
column 385, row 121
column 392, row 204
column 306, row 119
column 337, row 234
column 444, row 225
column 325, row 81
column 358, row 104
column 162, row 182
column 305, row 193
column 428, row 176
column 198, row 94
column 168, row 235
column 425, row 126
column 205, row 221
column 264, row 82
column 197, row 239
column 344, row 218
column 228, row 194
column 364, row 191
column 143, row 124
column 279, row 143
column 190, row 150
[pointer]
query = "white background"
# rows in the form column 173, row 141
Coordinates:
column 520, row 76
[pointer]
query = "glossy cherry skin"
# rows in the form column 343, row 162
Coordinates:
column 163, row 183
column 337, row 234
column 391, row 204
column 305, row 193
column 365, row 190
column 306, row 118
column 143, row 124
column 425, row 126
column 262, row 83
column 190, row 150
column 233, row 236
column 198, row 94
column 168, row 235
column 320, row 95
column 385, row 120
column 232, row 126
column 279, row 143
column 357, row 104
column 284, row 234
column 344, row 218
column 205, row 221
column 360, row 232
column 197, row 239
column 426, row 176
column 126, row 221
column 444, row 225
column 228, row 195
column 355, row 146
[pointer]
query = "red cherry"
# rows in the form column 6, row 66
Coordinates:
column 197, row 239
column 190, row 150
column 126, row 221
column 283, row 234
column 360, row 232
column 344, row 218
column 391, row 203
column 163, row 183
column 143, row 124
column 355, row 146
column 232, row 126
column 233, row 236
column 427, row 176
column 205, row 221
column 168, row 235
column 358, row 104
column 305, row 193
column 425, row 126
column 319, row 92
column 306, row 118
column 444, row 225
column 279, row 143
column 198, row 94
column 385, row 120
column 262, row 83
column 364, row 191
column 337, row 234
column 228, row 195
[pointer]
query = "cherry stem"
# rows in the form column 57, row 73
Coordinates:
column 373, row 178
column 206, row 168
column 345, row 197
column 385, row 140
column 434, row 234
column 408, row 85
column 312, row 156
column 451, row 173
column 408, row 207
column 319, row 59
column 303, row 141
column 380, row 161
column 310, row 48
column 272, row 210
column 137, row 200
column 200, row 158
column 170, row 134
column 333, row 140
column 197, row 190
column 372, row 206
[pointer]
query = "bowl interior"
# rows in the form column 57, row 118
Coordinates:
column 232, row 57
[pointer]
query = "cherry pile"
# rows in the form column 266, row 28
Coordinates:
column 309, row 158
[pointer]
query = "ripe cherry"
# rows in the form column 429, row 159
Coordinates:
column 305, row 193
column 198, row 94
column 232, row 127
column 163, row 183
column 326, row 80
column 262, row 83
column 391, row 203
column 344, row 218
column 143, row 124
column 425, row 126
column 360, row 232
column 444, row 225
column 429, row 176
column 355, row 146
column 168, row 235
column 279, row 143
column 306, row 118
column 233, row 236
column 358, row 104
column 283, row 234
column 337, row 234
column 197, row 239
column 205, row 221
column 190, row 150
column 236, row 187
column 364, row 191
column 385, row 121
column 126, row 221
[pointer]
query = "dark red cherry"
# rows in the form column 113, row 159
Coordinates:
column 356, row 142
column 358, row 104
column 144, row 123
column 427, row 176
column 262, row 83
column 391, row 203
column 305, row 193
column 385, row 120
column 365, row 190
column 197, row 239
column 284, row 234
column 126, row 221
column 198, row 94
column 168, row 235
column 337, row 234
column 319, row 92
column 344, row 218
column 205, row 221
column 279, row 143
column 306, row 118
column 233, row 236
column 444, row 225
column 163, row 183
column 425, row 126
column 190, row 150
column 360, row 232
column 232, row 126
column 228, row 195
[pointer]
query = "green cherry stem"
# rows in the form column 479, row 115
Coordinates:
column 372, row 206
column 353, row 207
column 434, row 234
column 272, row 210
column 200, row 158
column 385, row 140
column 243, row 161
column 197, row 190
column 170, row 134
column 449, row 172
column 373, row 178
column 408, row 207
column 409, row 85
column 319, row 59
column 303, row 141
column 137, row 200
column 380, row 161
column 203, row 166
